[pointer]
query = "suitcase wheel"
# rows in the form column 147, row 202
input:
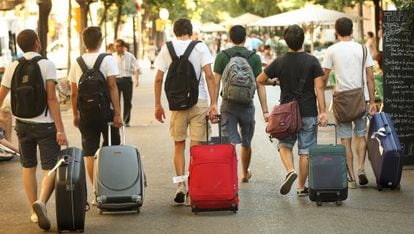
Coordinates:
column 379, row 187
column 194, row 209
column 338, row 203
column 398, row 187
column 235, row 208
column 319, row 203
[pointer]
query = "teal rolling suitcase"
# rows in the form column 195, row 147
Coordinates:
column 328, row 180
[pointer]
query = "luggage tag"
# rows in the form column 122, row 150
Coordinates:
column 179, row 179
column 381, row 132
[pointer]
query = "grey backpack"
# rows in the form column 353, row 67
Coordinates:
column 239, row 82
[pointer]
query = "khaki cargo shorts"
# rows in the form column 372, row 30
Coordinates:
column 192, row 119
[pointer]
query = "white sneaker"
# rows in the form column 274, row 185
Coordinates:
column 40, row 209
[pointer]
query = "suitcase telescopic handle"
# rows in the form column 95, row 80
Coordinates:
column 330, row 125
column 110, row 124
column 219, row 127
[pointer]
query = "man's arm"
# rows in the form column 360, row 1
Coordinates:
column 371, row 91
column 3, row 93
column 159, row 111
column 319, row 84
column 212, row 90
column 136, row 77
column 325, row 77
column 54, row 108
column 263, row 79
column 74, row 102
column 113, row 92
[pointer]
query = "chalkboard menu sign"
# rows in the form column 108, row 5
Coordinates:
column 398, row 65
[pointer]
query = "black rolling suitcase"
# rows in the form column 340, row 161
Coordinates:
column 328, row 180
column 70, row 191
column 385, row 152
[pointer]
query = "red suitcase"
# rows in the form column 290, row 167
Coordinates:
column 213, row 182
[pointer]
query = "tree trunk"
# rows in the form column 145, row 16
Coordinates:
column 377, row 19
column 361, row 21
column 69, row 34
column 84, row 7
column 107, row 5
column 44, row 9
column 118, row 21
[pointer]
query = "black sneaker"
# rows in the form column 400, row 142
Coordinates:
column 303, row 192
column 287, row 183
column 363, row 180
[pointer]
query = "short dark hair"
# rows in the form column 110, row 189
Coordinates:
column 294, row 37
column 237, row 34
column 121, row 42
column 27, row 40
column 183, row 27
column 370, row 34
column 343, row 26
column 91, row 37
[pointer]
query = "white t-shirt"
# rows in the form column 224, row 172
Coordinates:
column 108, row 66
column 127, row 64
column 48, row 70
column 346, row 58
column 199, row 57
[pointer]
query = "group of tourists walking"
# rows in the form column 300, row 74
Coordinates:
column 193, row 81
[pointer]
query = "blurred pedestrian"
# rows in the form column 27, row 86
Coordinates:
column 128, row 68
column 371, row 44
column 44, row 131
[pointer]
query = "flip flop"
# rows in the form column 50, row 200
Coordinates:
column 246, row 179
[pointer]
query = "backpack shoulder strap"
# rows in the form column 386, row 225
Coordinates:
column 99, row 60
column 250, row 54
column 82, row 64
column 228, row 53
column 171, row 50
column 364, row 58
column 37, row 58
column 190, row 48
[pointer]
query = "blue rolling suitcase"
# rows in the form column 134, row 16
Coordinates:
column 328, row 180
column 385, row 152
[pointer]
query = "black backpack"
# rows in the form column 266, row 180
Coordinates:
column 28, row 92
column 93, row 94
column 181, row 83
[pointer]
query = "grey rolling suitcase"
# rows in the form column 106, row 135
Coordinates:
column 119, row 179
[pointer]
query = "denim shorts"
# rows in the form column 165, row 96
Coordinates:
column 359, row 129
column 235, row 116
column 306, row 137
column 32, row 135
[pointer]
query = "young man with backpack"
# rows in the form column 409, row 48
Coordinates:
column 184, row 61
column 31, row 80
column 237, row 68
column 95, row 100
column 347, row 58
column 290, row 69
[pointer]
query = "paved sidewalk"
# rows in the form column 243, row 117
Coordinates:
column 262, row 208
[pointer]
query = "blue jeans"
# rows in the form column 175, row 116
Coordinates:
column 306, row 136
